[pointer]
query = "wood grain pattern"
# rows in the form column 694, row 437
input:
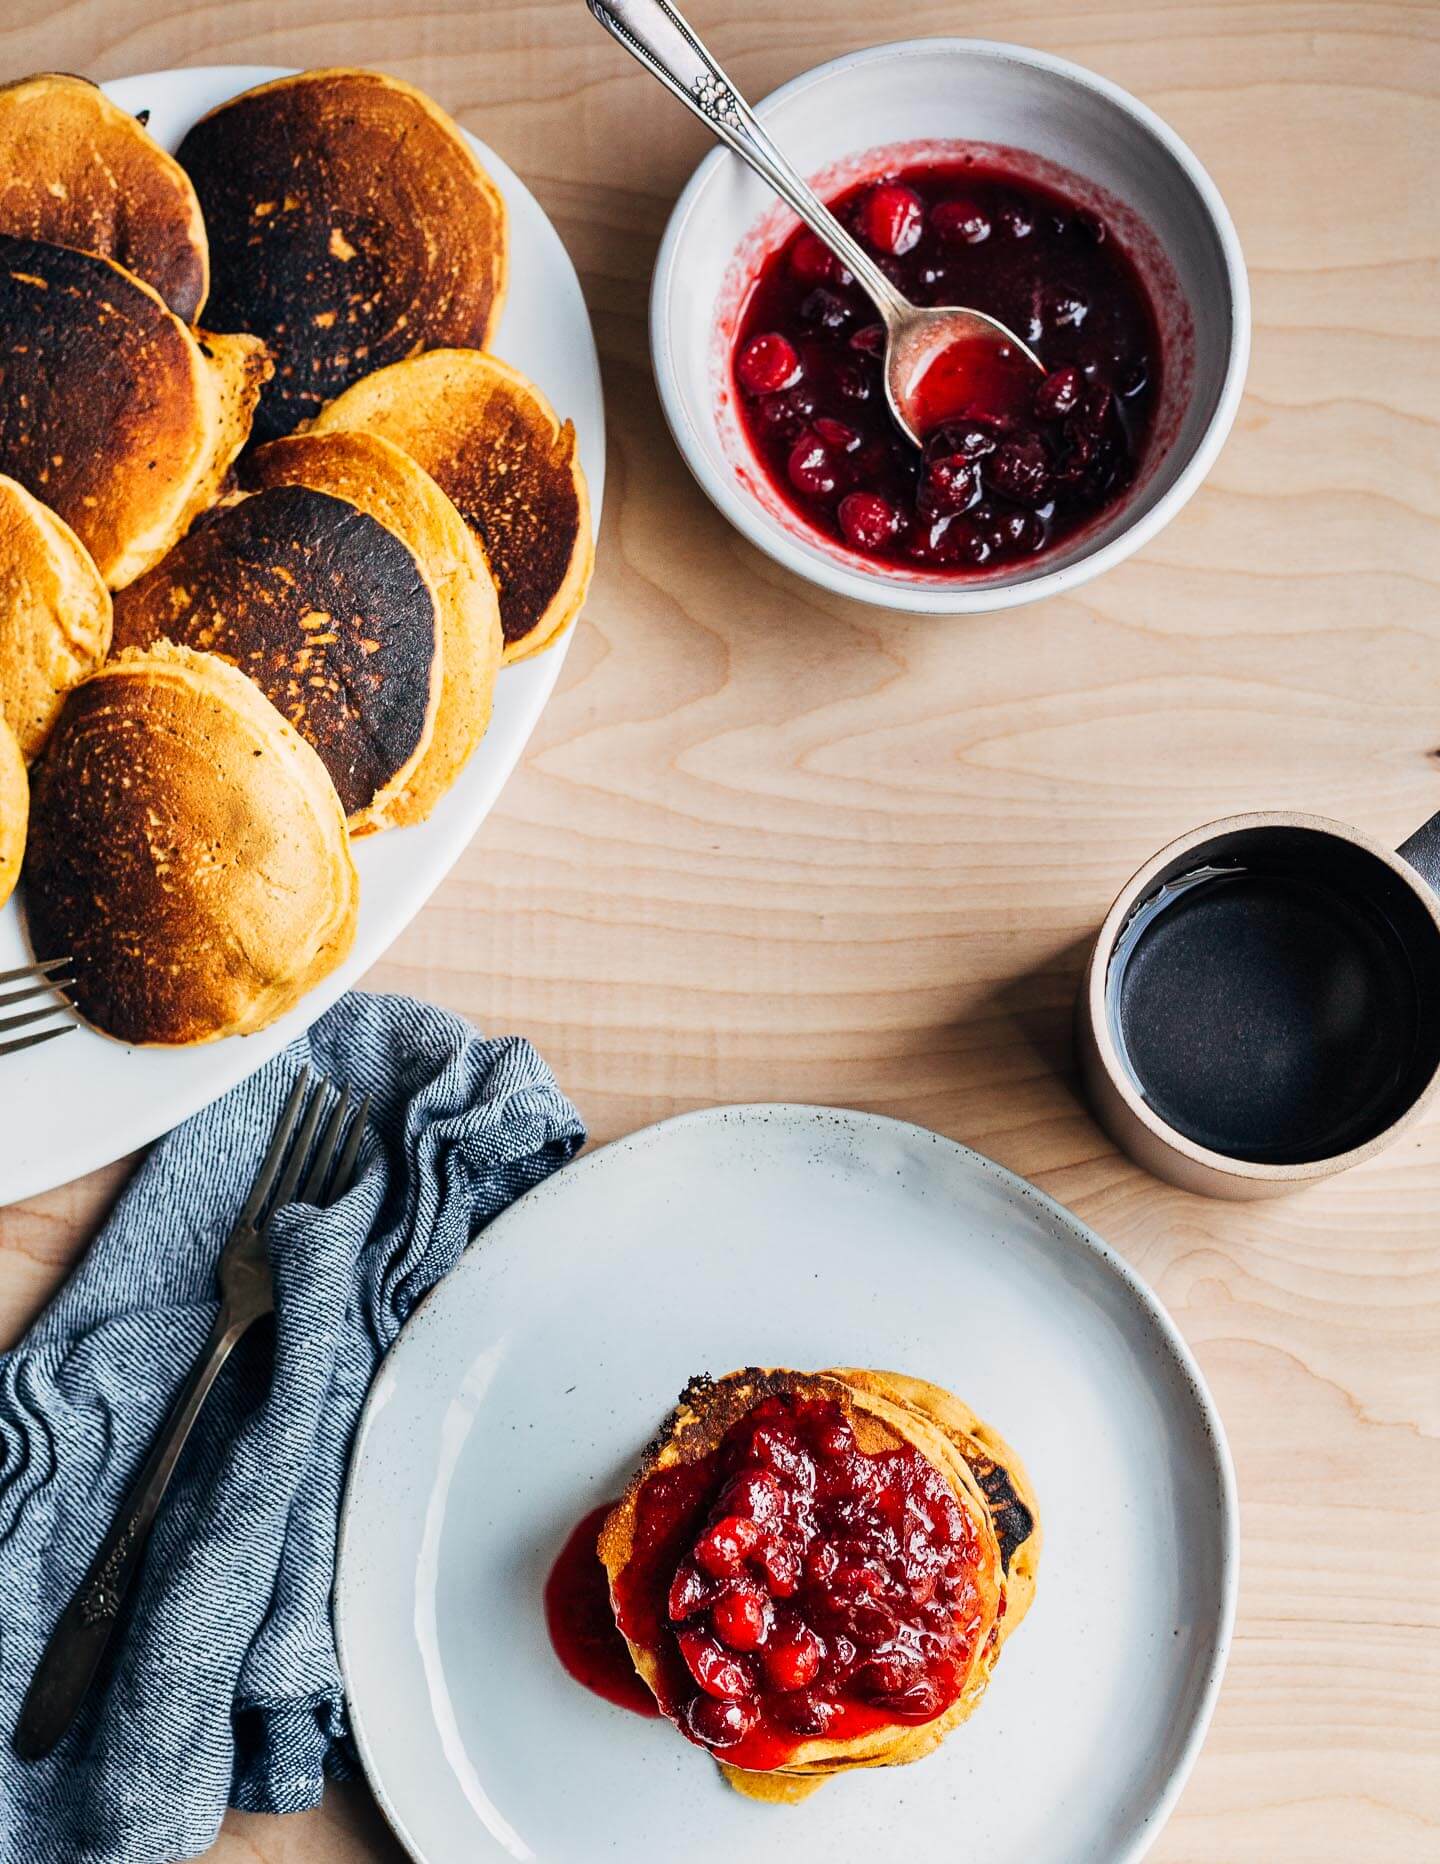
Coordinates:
column 767, row 845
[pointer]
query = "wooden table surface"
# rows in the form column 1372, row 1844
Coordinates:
column 768, row 845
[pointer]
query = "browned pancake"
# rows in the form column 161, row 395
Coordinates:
column 495, row 445
column 327, row 611
column 875, row 1413
column 80, row 171
column 54, row 615
column 187, row 851
column 386, row 482
column 14, row 810
column 350, row 225
column 111, row 412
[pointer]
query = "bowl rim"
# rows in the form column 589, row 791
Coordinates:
column 964, row 598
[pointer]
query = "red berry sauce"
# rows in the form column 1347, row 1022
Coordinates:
column 1004, row 475
column 792, row 1586
column 582, row 1626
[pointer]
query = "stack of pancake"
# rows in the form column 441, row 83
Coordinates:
column 817, row 1571
column 271, row 518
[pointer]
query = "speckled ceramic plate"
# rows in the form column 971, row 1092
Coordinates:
column 114, row 1098
column 521, row 1393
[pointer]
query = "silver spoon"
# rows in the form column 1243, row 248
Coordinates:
column 655, row 32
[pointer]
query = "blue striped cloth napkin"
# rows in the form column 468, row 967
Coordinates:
column 225, row 1688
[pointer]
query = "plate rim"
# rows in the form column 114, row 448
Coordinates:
column 1149, row 1819
column 38, row 1175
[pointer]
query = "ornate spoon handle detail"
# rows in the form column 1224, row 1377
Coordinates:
column 657, row 35
column 85, row 1627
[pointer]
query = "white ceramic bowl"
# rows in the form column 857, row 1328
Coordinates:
column 928, row 99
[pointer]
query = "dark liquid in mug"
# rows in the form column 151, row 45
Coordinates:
column 1268, row 1012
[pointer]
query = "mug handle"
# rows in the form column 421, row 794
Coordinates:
column 1422, row 851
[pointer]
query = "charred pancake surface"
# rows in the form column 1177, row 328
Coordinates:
column 350, row 225
column 492, row 441
column 187, row 850
column 385, row 481
column 78, row 170
column 111, row 413
column 324, row 608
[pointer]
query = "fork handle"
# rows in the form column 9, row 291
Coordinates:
column 85, row 1627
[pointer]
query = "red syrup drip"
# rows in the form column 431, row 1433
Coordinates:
column 1003, row 477
column 582, row 1625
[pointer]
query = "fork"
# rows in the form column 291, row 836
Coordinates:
column 247, row 1293
column 41, row 979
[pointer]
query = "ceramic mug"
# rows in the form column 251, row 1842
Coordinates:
column 1261, row 1008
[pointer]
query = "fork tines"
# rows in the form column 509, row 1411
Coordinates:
column 50, row 979
column 322, row 1184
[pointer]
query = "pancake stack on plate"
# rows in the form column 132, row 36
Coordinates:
column 257, row 578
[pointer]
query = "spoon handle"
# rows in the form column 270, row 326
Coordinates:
column 658, row 35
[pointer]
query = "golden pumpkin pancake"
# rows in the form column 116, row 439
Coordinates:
column 328, row 612
column 388, row 484
column 187, row 850
column 494, row 444
column 54, row 615
column 112, row 412
column 350, row 224
column 14, row 810
column 810, row 1574
column 77, row 170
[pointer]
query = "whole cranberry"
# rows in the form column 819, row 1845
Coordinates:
column 825, row 309
column 755, row 1494
column 1066, row 309
column 689, row 1591
column 833, row 1437
column 812, row 261
column 775, row 414
column 742, row 1617
column 811, row 467
column 974, row 437
column 900, row 1686
column 821, row 1560
column 792, row 1660
column 852, row 383
column 715, row 1670
column 892, row 218
column 1016, row 532
column 1059, row 393
column 948, row 485
column 772, row 1446
column 1017, row 220
column 930, row 541
column 868, row 522
column 1020, row 468
column 721, row 1549
column 768, row 363
column 719, row 1723
column 961, row 223
column 836, row 434
column 780, row 1566
column 803, row 1712
column 803, row 399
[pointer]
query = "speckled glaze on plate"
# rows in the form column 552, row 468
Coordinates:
column 522, row 1391
column 116, row 1099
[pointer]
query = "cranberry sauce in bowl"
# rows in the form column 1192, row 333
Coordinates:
column 1004, row 476
column 790, row 1585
